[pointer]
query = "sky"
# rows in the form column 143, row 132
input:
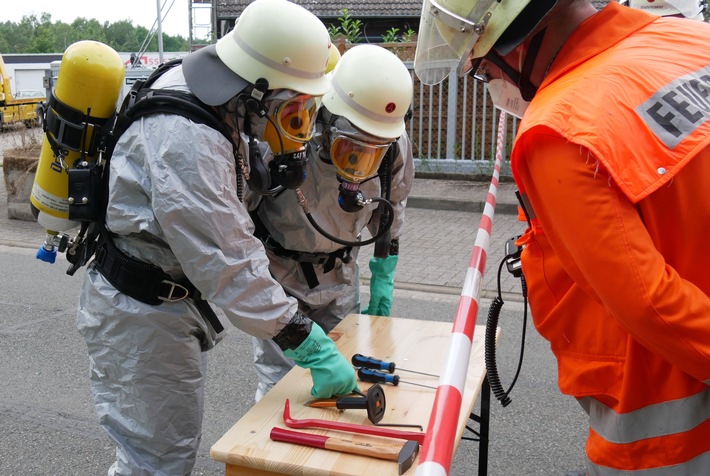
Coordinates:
column 140, row 12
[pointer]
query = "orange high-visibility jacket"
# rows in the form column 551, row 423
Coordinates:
column 613, row 155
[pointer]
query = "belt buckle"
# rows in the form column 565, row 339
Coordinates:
column 173, row 287
column 313, row 258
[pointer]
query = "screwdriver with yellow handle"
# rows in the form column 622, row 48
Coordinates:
column 363, row 362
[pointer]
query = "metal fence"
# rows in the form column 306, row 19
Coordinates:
column 454, row 124
column 454, row 127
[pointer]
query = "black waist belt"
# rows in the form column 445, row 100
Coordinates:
column 146, row 282
column 304, row 259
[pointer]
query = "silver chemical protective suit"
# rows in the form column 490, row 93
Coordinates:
column 172, row 202
column 337, row 293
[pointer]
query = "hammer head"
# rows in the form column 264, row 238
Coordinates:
column 407, row 455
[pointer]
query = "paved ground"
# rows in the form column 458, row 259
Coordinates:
column 435, row 247
column 442, row 219
column 541, row 433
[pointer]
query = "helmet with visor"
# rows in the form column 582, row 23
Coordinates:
column 455, row 34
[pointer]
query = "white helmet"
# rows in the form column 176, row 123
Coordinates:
column 692, row 9
column 372, row 89
column 452, row 33
column 280, row 41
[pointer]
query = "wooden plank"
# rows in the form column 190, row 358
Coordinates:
column 411, row 344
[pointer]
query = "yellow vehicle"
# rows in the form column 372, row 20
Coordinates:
column 13, row 110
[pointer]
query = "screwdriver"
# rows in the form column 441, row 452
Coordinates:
column 375, row 376
column 361, row 361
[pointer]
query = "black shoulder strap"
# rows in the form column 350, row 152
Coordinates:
column 385, row 170
column 141, row 101
column 382, row 245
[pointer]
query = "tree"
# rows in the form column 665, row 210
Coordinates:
column 42, row 35
column 123, row 36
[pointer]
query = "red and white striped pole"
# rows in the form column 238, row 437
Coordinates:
column 438, row 448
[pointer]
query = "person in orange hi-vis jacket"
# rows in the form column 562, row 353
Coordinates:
column 612, row 159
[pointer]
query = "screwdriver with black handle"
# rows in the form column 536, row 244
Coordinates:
column 360, row 361
column 375, row 376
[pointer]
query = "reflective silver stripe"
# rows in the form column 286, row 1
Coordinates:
column 365, row 112
column 667, row 418
column 275, row 64
column 698, row 465
column 678, row 108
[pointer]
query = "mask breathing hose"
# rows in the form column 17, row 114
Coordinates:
column 383, row 229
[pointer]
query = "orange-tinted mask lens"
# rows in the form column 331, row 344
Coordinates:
column 296, row 118
column 354, row 160
column 292, row 125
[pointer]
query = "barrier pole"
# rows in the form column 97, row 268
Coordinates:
column 438, row 448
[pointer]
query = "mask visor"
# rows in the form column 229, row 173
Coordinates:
column 446, row 39
column 355, row 160
column 295, row 122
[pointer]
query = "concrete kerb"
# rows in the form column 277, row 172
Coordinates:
column 449, row 204
column 461, row 192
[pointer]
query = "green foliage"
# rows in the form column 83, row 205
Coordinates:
column 333, row 31
column 41, row 35
column 391, row 36
column 408, row 35
column 348, row 27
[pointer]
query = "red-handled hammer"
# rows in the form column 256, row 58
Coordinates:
column 404, row 455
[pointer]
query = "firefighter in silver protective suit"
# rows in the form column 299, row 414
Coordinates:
column 360, row 152
column 174, row 212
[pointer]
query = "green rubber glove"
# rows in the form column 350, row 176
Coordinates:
column 381, row 285
column 332, row 374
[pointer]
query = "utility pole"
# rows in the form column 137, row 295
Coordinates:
column 160, row 32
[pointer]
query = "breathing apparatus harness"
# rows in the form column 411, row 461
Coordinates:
column 88, row 201
column 384, row 246
column 351, row 199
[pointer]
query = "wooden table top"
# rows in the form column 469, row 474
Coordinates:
column 412, row 344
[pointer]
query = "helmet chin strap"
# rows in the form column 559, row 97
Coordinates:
column 521, row 78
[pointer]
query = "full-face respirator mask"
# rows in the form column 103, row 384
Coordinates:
column 285, row 120
column 356, row 157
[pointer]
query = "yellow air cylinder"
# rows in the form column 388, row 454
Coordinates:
column 333, row 58
column 88, row 85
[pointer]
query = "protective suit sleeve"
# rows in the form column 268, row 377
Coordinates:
column 178, row 187
column 604, row 244
column 381, row 285
column 305, row 342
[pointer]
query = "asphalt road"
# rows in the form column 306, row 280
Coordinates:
column 47, row 421
column 48, row 426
